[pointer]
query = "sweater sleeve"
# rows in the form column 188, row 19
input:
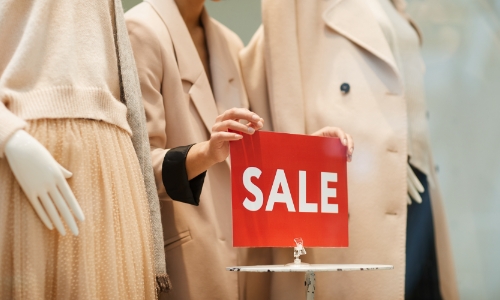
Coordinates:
column 9, row 123
column 57, row 62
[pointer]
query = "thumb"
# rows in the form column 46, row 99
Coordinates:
column 67, row 174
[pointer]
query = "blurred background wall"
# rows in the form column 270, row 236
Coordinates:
column 462, row 53
column 242, row 16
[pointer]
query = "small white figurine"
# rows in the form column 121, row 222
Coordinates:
column 298, row 250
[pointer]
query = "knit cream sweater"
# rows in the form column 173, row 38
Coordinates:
column 54, row 65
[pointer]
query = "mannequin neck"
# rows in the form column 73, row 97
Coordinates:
column 191, row 12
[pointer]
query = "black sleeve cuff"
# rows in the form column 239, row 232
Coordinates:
column 175, row 179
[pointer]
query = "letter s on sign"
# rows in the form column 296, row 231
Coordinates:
column 252, row 188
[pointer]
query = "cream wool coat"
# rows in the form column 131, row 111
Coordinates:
column 180, row 110
column 293, row 69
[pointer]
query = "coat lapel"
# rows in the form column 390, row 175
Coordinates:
column 188, row 61
column 354, row 20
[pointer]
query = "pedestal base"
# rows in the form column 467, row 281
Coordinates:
column 310, row 285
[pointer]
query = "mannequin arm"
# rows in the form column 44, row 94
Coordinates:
column 43, row 181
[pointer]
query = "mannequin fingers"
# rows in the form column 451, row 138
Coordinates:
column 413, row 192
column 68, row 195
column 37, row 206
column 408, row 199
column 67, row 174
column 414, row 180
column 51, row 210
column 418, row 185
column 233, row 125
column 63, row 210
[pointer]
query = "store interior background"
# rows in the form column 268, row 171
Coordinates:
column 461, row 49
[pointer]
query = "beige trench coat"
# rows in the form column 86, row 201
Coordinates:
column 180, row 110
column 293, row 69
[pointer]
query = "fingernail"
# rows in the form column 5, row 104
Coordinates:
column 260, row 124
column 344, row 141
column 255, row 118
column 350, row 151
column 251, row 130
column 238, row 136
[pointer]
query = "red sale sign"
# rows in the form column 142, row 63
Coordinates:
column 286, row 186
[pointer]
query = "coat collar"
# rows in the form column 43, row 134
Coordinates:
column 354, row 20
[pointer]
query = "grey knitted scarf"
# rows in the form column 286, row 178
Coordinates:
column 131, row 96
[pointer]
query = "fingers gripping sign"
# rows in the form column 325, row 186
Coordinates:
column 230, row 120
column 229, row 126
column 344, row 137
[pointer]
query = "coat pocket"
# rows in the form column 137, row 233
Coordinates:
column 177, row 240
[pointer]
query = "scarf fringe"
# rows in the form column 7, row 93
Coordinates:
column 163, row 283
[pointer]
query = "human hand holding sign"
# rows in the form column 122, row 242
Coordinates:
column 204, row 155
column 43, row 180
column 339, row 133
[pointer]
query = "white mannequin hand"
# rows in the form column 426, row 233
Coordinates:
column 414, row 187
column 43, row 181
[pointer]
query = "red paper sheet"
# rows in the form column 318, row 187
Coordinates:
column 307, row 169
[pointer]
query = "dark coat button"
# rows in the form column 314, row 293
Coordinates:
column 345, row 88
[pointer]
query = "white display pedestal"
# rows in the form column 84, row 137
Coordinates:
column 310, row 270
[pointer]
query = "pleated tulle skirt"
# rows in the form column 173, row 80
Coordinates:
column 112, row 256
